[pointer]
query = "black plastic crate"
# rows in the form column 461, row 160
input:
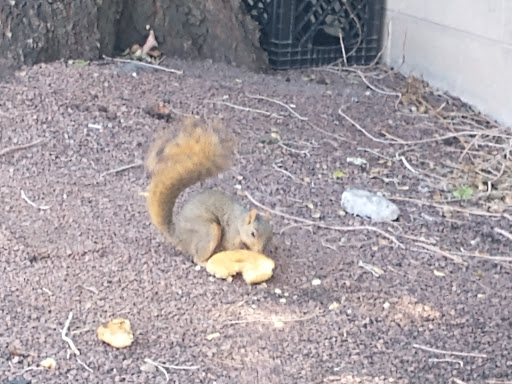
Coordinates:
column 305, row 33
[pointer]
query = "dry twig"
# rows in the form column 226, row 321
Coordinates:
column 242, row 108
column 179, row 367
column 434, row 350
column 508, row 235
column 161, row 367
column 447, row 361
column 324, row 225
column 84, row 365
column 14, row 148
column 24, row 197
column 387, row 93
column 165, row 69
column 284, row 146
column 343, row 48
column 397, row 140
column 280, row 103
column 358, row 25
column 246, row 321
column 277, row 168
column 484, row 257
column 67, row 339
column 450, row 208
column 149, row 361
column 123, row 168
column 457, row 259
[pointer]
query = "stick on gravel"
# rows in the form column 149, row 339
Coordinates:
column 7, row 150
column 324, row 225
column 67, row 339
column 448, row 352
column 123, row 168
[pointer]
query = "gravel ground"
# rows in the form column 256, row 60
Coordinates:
column 75, row 235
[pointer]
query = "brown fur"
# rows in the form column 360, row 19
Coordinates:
column 211, row 221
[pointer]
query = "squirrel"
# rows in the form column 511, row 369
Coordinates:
column 211, row 221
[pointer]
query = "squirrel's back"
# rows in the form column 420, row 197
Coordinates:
column 200, row 151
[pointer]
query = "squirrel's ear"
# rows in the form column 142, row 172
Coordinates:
column 251, row 216
column 267, row 216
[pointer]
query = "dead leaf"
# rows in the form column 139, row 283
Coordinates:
column 116, row 333
column 159, row 110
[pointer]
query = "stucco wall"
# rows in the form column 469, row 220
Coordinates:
column 461, row 46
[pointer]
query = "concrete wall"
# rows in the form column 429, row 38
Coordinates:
column 460, row 46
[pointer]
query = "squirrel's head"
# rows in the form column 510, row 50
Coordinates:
column 256, row 231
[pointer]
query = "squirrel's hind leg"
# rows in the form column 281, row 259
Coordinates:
column 203, row 241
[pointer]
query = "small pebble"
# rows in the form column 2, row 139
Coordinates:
column 316, row 282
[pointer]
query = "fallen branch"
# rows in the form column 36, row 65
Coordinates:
column 14, row 148
column 449, row 352
column 387, row 93
column 292, row 320
column 161, row 366
column 403, row 142
column 284, row 146
column 324, row 225
column 242, row 108
column 456, row 209
column 286, row 173
column 67, row 339
column 457, row 259
column 491, row 258
column 305, row 226
column 280, row 103
column 341, row 138
column 165, row 69
column 508, row 235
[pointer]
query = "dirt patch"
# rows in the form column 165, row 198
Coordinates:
column 440, row 311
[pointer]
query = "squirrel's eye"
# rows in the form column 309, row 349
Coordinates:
column 253, row 234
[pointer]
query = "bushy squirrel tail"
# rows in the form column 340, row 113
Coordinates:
column 176, row 163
